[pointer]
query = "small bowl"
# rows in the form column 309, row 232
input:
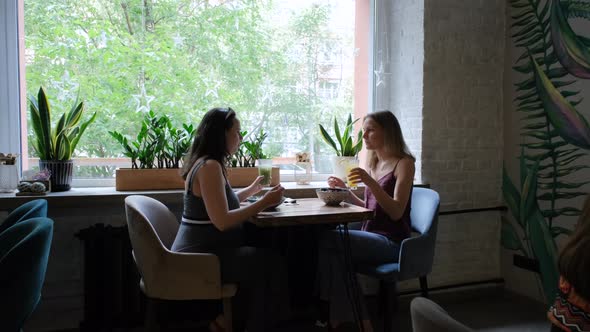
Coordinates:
column 332, row 196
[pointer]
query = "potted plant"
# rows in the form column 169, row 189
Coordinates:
column 156, row 154
column 346, row 148
column 55, row 145
column 243, row 163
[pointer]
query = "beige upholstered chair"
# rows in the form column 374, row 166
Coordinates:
column 168, row 275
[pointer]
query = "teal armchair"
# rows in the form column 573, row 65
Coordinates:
column 416, row 254
column 31, row 209
column 24, row 252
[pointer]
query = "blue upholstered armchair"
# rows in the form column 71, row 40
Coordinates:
column 31, row 209
column 24, row 251
column 416, row 253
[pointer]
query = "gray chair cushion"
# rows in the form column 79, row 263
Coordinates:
column 428, row 316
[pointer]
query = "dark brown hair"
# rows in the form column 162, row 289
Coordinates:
column 393, row 137
column 574, row 259
column 210, row 138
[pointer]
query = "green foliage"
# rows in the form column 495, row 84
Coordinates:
column 249, row 150
column 537, row 235
column 59, row 142
column 346, row 146
column 552, row 131
column 159, row 144
column 188, row 57
column 547, row 105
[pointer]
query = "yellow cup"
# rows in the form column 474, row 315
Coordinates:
column 350, row 164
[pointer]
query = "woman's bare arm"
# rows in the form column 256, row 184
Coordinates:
column 250, row 190
column 336, row 182
column 212, row 188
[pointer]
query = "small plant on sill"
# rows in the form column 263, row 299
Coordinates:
column 249, row 150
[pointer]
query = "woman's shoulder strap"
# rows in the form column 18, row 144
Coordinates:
column 192, row 173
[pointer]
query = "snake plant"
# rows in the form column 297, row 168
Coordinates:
column 346, row 147
column 59, row 142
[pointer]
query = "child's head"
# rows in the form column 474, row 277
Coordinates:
column 574, row 259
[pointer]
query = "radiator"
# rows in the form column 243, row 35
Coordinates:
column 112, row 297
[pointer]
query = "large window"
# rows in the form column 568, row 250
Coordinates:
column 285, row 66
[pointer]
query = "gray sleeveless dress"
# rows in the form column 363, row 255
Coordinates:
column 205, row 237
column 259, row 273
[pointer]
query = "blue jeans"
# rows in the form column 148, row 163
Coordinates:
column 366, row 248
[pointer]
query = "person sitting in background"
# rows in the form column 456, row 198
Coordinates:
column 212, row 221
column 571, row 309
column 388, row 192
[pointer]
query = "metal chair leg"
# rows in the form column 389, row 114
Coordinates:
column 151, row 315
column 388, row 305
column 424, row 286
column 227, row 314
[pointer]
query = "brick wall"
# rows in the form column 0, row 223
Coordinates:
column 445, row 85
column 463, row 77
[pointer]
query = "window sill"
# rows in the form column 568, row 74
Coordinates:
column 93, row 197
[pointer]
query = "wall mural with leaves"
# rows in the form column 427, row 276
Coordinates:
column 555, row 136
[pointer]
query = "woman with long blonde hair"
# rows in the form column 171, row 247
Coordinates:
column 388, row 181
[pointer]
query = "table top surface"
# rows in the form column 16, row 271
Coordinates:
column 309, row 211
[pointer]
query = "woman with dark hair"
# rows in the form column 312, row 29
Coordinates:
column 388, row 189
column 571, row 309
column 212, row 220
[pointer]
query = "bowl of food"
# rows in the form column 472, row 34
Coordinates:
column 332, row 196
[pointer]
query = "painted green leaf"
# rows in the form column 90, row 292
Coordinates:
column 509, row 237
column 571, row 125
column 511, row 196
column 566, row 211
column 528, row 194
column 571, row 52
column 545, row 252
column 523, row 168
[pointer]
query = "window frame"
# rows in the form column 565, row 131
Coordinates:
column 13, row 100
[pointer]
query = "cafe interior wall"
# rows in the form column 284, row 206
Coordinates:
column 463, row 138
column 573, row 131
column 458, row 124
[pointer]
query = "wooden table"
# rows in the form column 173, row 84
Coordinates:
column 311, row 211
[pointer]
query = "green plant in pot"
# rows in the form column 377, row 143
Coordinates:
column 343, row 144
column 250, row 161
column 159, row 145
column 249, row 150
column 55, row 145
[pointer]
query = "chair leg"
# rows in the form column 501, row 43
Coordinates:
column 227, row 314
column 388, row 306
column 151, row 315
column 424, row 286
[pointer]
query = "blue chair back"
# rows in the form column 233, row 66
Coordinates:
column 30, row 209
column 24, row 252
column 424, row 210
column 417, row 253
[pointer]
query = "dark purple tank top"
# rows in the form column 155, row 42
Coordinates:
column 396, row 230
